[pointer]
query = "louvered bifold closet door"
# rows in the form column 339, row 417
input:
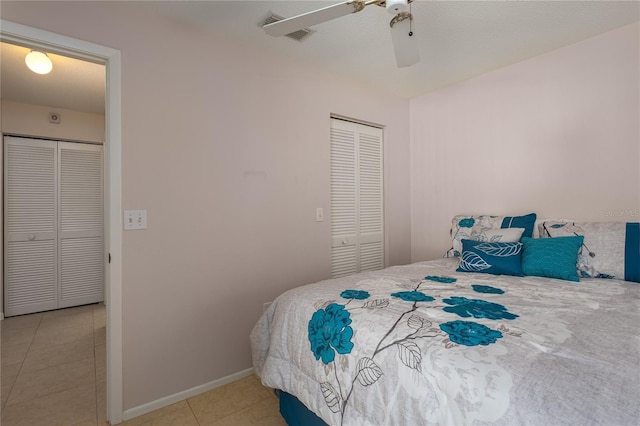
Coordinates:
column 81, row 247
column 30, row 211
column 356, row 198
column 370, row 197
column 344, row 259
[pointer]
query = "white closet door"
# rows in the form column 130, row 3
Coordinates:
column 344, row 259
column 357, row 231
column 370, row 224
column 30, row 211
column 81, row 246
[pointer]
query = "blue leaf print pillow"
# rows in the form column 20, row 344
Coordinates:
column 491, row 258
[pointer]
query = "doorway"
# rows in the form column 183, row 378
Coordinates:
column 35, row 38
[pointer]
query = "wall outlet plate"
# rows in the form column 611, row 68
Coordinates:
column 135, row 219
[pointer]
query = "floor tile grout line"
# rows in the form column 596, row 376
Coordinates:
column 33, row 336
column 193, row 413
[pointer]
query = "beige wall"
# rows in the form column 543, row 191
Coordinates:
column 230, row 157
column 557, row 135
column 33, row 120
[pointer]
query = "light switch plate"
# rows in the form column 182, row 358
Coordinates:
column 135, row 219
column 319, row 214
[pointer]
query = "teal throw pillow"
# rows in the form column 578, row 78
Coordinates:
column 491, row 258
column 551, row 257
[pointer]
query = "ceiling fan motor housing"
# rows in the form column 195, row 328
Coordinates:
column 396, row 6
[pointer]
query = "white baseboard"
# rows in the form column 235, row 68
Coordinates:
column 181, row 396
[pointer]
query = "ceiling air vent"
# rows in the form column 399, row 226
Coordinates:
column 296, row 35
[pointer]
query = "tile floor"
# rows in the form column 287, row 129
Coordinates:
column 53, row 368
column 54, row 373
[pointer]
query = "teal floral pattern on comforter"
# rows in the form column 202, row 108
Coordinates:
column 329, row 329
column 329, row 332
column 423, row 344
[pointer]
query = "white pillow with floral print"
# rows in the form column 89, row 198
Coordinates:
column 602, row 253
column 492, row 235
column 470, row 227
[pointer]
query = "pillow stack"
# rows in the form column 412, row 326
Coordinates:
column 503, row 245
column 490, row 229
column 490, row 244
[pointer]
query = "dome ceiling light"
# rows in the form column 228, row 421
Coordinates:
column 38, row 62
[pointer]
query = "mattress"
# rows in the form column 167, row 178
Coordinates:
column 424, row 344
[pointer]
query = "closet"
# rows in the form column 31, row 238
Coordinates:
column 53, row 225
column 357, row 210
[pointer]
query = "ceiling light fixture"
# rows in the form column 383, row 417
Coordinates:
column 38, row 62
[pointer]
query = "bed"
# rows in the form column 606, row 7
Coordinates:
column 428, row 343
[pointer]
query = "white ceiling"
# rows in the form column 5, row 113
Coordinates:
column 458, row 40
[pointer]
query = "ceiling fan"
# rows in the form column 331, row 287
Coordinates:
column 404, row 44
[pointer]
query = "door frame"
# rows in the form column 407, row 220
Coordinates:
column 55, row 43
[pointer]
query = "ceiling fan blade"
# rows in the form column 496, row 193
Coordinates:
column 293, row 24
column 405, row 43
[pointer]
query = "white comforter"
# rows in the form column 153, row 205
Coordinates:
column 422, row 344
